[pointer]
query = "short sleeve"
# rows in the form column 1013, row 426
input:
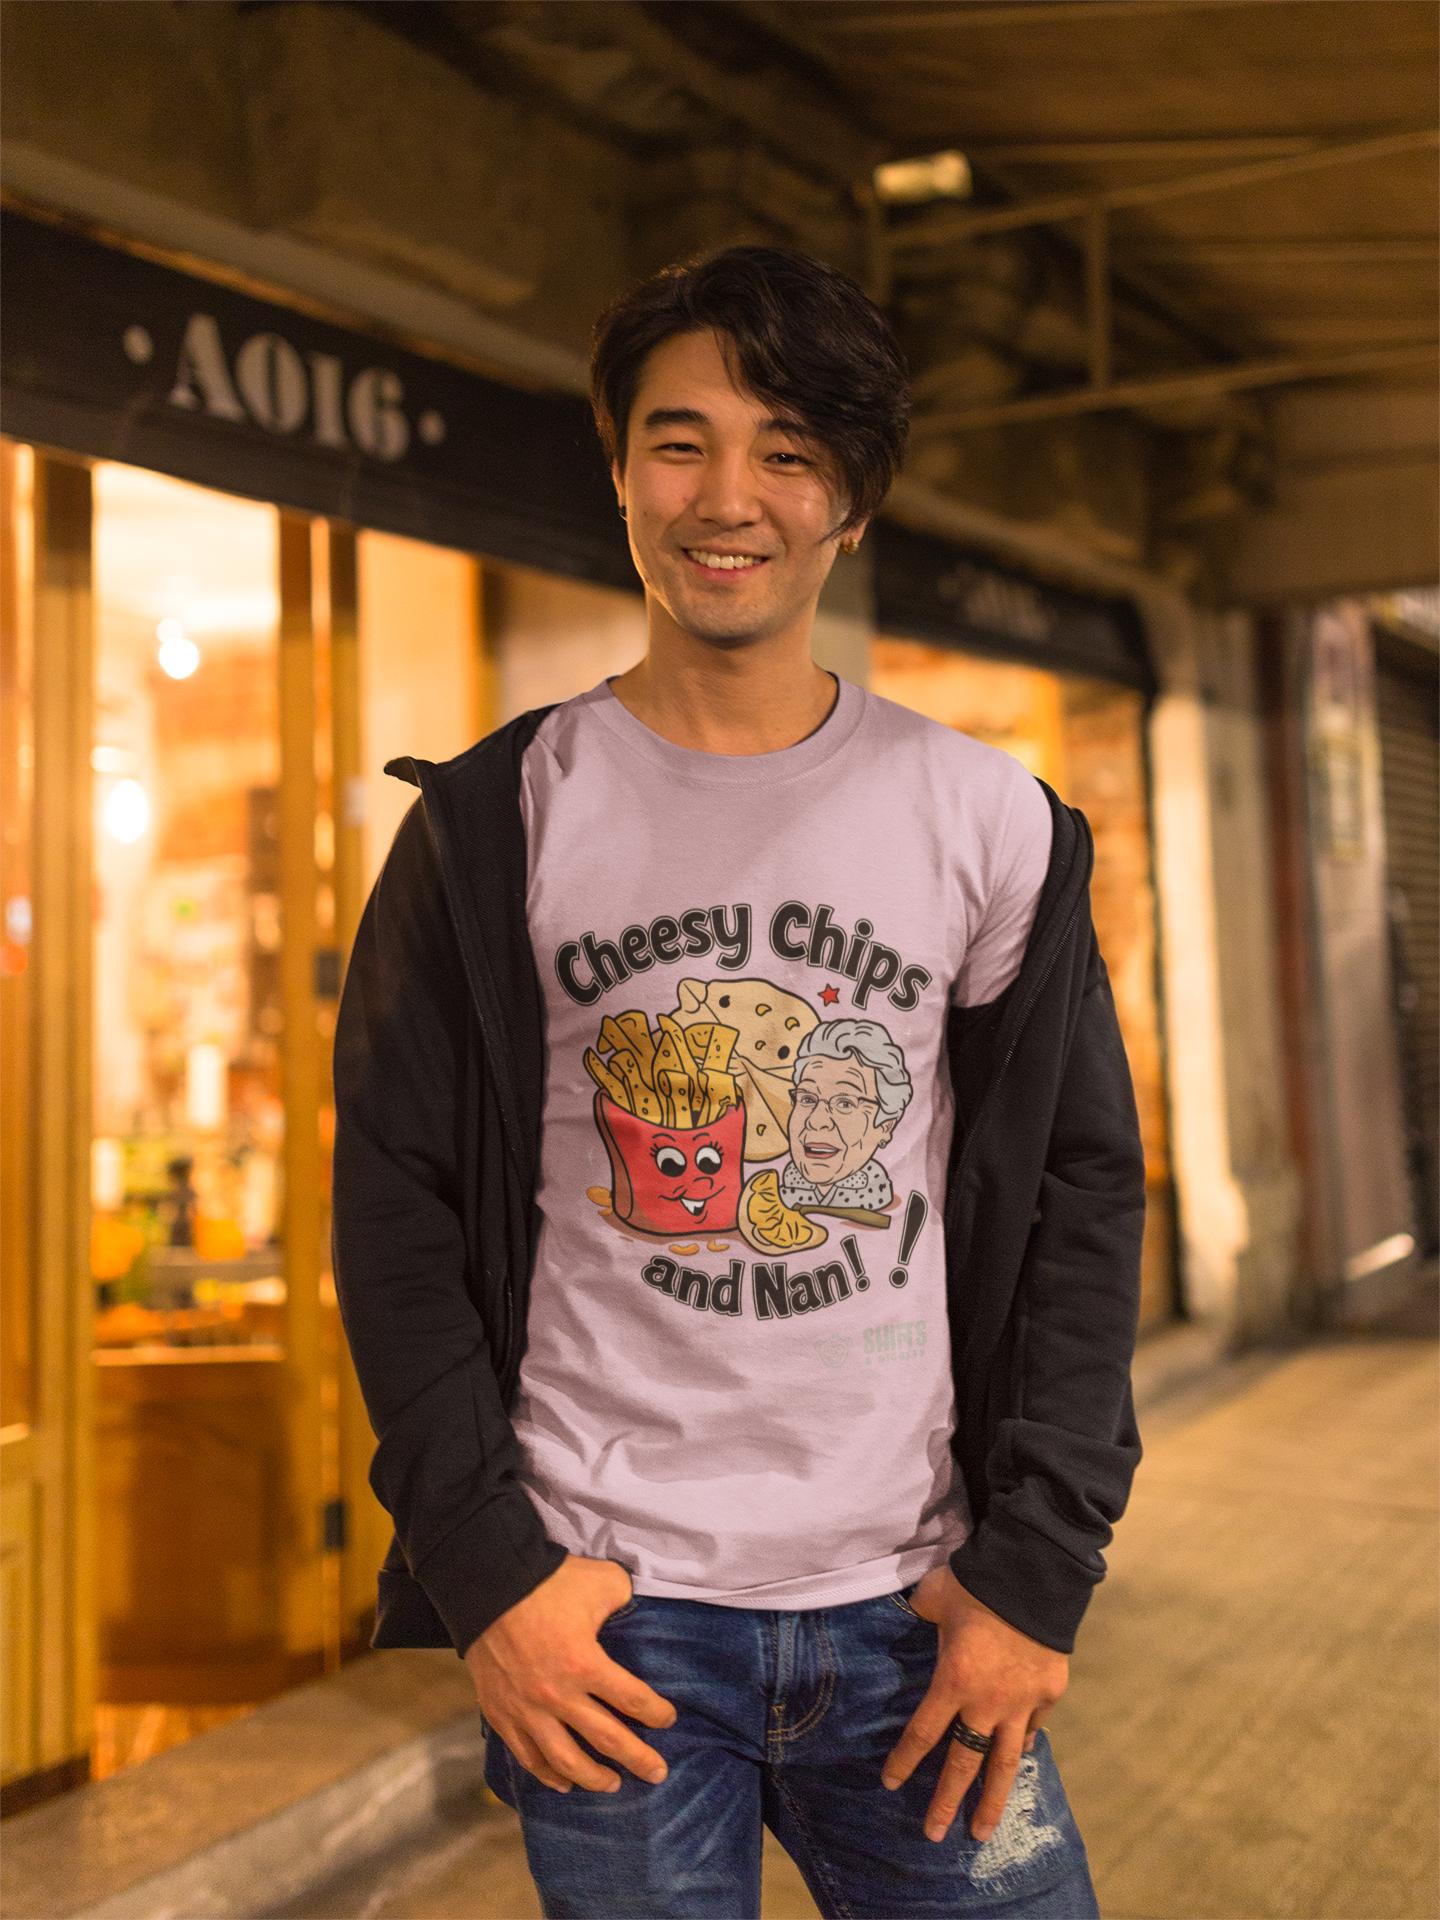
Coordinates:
column 993, row 957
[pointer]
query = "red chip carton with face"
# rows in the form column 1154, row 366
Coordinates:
column 674, row 1180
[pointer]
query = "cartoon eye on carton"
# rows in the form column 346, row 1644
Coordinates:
column 673, row 1180
column 673, row 1123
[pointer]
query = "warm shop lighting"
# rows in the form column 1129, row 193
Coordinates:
column 127, row 812
column 934, row 176
column 179, row 655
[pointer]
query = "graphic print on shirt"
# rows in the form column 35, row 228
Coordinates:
column 672, row 1118
column 769, row 1026
column 677, row 1109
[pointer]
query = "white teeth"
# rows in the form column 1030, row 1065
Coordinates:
column 728, row 561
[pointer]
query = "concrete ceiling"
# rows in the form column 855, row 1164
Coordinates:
column 1091, row 95
column 1053, row 100
column 1196, row 217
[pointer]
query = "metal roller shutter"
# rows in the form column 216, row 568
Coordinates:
column 1407, row 683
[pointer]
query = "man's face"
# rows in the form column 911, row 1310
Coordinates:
column 730, row 509
column 835, row 1123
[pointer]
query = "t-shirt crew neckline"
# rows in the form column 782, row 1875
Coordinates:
column 749, row 770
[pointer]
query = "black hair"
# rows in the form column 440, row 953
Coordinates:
column 804, row 338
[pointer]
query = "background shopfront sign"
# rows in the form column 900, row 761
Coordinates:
column 121, row 358
column 111, row 355
column 928, row 589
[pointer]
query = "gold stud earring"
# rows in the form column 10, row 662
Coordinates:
column 848, row 546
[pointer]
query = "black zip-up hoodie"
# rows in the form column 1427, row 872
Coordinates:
column 439, row 1074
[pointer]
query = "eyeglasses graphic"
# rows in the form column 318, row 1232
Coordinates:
column 840, row 1106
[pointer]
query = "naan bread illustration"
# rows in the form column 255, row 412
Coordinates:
column 770, row 1023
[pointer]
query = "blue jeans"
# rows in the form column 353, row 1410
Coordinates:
column 784, row 1720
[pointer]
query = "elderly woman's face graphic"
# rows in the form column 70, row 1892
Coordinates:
column 836, row 1124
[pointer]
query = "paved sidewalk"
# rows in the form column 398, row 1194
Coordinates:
column 1250, row 1730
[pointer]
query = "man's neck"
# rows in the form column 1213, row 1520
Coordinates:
column 756, row 698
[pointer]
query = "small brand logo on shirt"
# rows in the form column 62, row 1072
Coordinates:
column 893, row 1340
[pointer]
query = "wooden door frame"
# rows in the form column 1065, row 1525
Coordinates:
column 47, row 1463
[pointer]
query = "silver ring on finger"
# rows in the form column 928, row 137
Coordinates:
column 968, row 1737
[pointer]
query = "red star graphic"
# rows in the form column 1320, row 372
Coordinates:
column 830, row 996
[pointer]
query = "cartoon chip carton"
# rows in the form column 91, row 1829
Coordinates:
column 673, row 1180
column 672, row 1117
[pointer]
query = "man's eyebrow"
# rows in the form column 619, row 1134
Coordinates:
column 693, row 417
column 676, row 417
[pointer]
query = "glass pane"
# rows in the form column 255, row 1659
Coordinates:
column 187, row 1112
column 419, row 670
column 1105, row 776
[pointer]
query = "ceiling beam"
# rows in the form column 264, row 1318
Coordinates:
column 1082, row 153
column 1021, row 13
column 1287, row 253
column 1075, row 206
column 1169, row 387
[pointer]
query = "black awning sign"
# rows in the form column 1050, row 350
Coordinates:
column 270, row 383
column 118, row 357
column 927, row 588
column 1001, row 604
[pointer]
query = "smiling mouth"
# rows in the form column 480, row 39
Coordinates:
column 694, row 1207
column 724, row 562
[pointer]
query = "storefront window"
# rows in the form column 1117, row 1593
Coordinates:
column 422, row 687
column 1085, row 738
column 188, row 1120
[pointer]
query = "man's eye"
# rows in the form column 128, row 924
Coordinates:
column 670, row 1161
column 707, row 1160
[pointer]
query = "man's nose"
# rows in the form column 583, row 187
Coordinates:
column 727, row 495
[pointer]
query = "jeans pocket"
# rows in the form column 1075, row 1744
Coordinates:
column 621, row 1613
column 902, row 1600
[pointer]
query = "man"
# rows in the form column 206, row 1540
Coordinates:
column 708, row 1562
column 851, row 1088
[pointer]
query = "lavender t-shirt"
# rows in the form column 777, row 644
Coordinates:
column 737, row 1382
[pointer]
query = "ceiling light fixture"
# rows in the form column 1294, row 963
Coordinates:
column 934, row 176
column 179, row 656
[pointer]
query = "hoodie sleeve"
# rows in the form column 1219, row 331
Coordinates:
column 407, row 1067
column 1062, row 1444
